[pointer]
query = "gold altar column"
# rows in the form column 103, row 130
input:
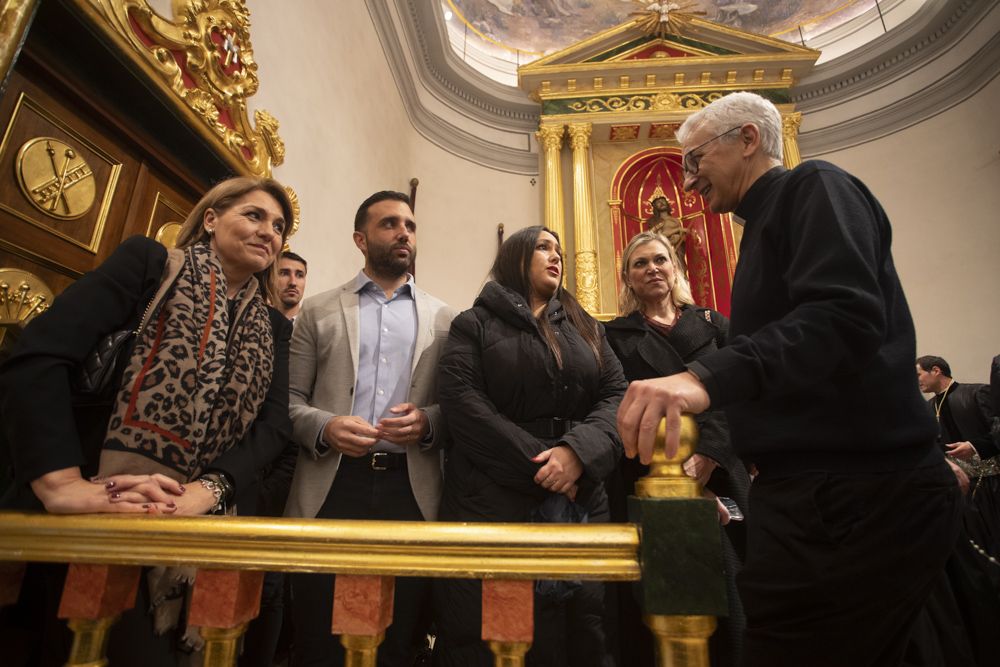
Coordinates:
column 790, row 138
column 550, row 137
column 584, row 228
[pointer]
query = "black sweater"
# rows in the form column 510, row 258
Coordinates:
column 818, row 372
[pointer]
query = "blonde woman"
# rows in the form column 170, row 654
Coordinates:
column 658, row 332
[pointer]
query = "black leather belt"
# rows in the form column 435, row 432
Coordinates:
column 378, row 461
column 549, row 429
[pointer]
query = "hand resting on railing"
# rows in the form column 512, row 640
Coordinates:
column 66, row 492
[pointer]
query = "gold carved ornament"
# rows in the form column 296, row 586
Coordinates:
column 205, row 58
column 662, row 18
column 296, row 212
column 23, row 296
column 658, row 102
column 55, row 178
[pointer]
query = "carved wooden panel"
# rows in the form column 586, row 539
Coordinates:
column 65, row 180
column 158, row 208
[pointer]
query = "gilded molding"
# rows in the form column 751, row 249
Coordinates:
column 15, row 17
column 587, row 292
column 579, row 135
column 204, row 57
column 790, row 123
column 402, row 548
column 657, row 102
column 550, row 137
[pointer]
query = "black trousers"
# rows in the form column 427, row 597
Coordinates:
column 839, row 566
column 358, row 492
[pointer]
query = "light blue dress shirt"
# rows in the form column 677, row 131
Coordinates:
column 386, row 343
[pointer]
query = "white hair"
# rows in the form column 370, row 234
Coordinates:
column 735, row 110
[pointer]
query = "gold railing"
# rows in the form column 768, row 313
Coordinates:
column 233, row 552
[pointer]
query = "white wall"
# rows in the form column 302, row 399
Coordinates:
column 324, row 76
column 939, row 181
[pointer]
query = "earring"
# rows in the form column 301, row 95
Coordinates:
column 211, row 231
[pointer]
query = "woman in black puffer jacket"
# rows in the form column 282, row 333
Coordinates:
column 529, row 388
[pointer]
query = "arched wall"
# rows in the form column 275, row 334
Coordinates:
column 325, row 76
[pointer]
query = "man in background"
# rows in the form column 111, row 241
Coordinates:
column 291, row 284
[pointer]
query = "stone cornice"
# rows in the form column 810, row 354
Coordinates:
column 867, row 81
column 460, row 98
column 859, row 97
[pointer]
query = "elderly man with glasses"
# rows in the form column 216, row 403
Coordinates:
column 854, row 509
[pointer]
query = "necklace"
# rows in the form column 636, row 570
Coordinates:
column 940, row 404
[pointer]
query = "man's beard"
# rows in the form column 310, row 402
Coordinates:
column 384, row 262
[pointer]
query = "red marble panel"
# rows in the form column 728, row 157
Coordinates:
column 98, row 591
column 362, row 604
column 225, row 598
column 508, row 610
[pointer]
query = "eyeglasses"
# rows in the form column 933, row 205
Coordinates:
column 691, row 162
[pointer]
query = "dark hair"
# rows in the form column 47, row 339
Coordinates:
column 928, row 362
column 670, row 209
column 512, row 269
column 361, row 217
column 288, row 254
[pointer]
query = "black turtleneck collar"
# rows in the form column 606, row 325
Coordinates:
column 757, row 193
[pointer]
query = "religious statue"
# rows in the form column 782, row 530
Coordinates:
column 663, row 222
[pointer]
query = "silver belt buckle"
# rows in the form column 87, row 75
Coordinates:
column 376, row 458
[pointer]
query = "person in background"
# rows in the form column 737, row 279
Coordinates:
column 199, row 409
column 658, row 331
column 529, row 387
column 292, row 271
column 268, row 637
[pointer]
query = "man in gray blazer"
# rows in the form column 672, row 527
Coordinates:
column 363, row 369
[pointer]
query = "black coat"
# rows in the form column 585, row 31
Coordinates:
column 496, row 371
column 967, row 415
column 39, row 422
column 646, row 353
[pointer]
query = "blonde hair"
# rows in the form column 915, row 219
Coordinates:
column 220, row 198
column 680, row 291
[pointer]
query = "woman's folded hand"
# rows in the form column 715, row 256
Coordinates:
column 66, row 492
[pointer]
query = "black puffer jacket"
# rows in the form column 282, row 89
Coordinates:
column 496, row 371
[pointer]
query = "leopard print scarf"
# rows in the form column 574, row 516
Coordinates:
column 195, row 380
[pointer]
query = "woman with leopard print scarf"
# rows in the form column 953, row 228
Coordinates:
column 201, row 405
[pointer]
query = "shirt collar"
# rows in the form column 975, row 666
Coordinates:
column 362, row 282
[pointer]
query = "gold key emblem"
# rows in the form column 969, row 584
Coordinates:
column 55, row 178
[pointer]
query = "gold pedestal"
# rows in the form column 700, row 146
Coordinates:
column 681, row 641
column 90, row 641
column 361, row 650
column 509, row 654
column 220, row 645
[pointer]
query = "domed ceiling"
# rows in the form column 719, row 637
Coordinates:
column 496, row 36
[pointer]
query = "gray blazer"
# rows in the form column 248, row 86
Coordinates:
column 323, row 366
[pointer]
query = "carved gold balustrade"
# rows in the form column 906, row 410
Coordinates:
column 231, row 554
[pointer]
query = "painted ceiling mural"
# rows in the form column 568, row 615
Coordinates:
column 537, row 27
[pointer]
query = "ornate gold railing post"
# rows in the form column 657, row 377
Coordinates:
column 362, row 610
column 508, row 619
column 550, row 137
column 680, row 540
column 92, row 599
column 222, row 604
column 790, row 138
column 584, row 227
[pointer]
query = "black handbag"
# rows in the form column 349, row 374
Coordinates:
column 96, row 379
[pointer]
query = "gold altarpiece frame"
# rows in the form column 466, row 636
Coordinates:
column 618, row 96
column 200, row 62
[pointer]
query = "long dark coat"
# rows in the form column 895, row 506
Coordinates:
column 495, row 373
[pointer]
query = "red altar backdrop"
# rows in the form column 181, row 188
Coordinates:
column 710, row 249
